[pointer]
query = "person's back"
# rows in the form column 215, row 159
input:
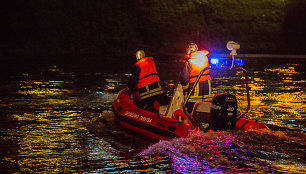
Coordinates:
column 145, row 78
column 196, row 61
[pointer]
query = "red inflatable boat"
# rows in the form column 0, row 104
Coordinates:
column 157, row 126
column 220, row 114
column 152, row 125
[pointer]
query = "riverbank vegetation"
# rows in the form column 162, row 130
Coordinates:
column 120, row 27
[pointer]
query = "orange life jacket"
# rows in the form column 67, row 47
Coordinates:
column 198, row 61
column 148, row 72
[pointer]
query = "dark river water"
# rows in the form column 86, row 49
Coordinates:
column 55, row 117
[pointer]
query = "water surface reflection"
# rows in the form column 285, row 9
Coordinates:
column 56, row 119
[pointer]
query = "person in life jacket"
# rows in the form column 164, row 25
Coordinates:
column 146, row 80
column 196, row 61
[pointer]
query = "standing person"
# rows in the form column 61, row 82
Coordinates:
column 146, row 80
column 196, row 61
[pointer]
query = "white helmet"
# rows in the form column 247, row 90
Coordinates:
column 192, row 48
column 140, row 54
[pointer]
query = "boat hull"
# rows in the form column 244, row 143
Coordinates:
column 156, row 126
column 147, row 123
column 248, row 125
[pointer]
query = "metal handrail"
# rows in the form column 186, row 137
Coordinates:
column 233, row 67
column 246, row 86
column 197, row 80
column 192, row 119
column 247, row 90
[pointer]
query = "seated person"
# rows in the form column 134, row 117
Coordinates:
column 146, row 80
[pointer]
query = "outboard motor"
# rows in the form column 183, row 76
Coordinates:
column 224, row 112
column 220, row 114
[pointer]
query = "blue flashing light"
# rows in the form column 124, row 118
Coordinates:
column 239, row 62
column 225, row 62
column 214, row 61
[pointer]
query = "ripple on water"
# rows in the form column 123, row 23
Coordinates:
column 231, row 152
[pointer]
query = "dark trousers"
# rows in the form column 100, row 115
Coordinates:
column 147, row 103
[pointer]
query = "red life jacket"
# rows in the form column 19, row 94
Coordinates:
column 148, row 72
column 198, row 61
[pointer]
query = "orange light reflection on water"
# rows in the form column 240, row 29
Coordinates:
column 41, row 88
column 50, row 137
column 278, row 102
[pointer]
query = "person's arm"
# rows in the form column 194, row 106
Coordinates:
column 133, row 81
column 185, row 76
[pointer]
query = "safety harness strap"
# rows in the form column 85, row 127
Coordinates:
column 207, row 74
column 150, row 90
column 148, row 75
column 196, row 97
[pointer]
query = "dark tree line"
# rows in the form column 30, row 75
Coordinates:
column 121, row 27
